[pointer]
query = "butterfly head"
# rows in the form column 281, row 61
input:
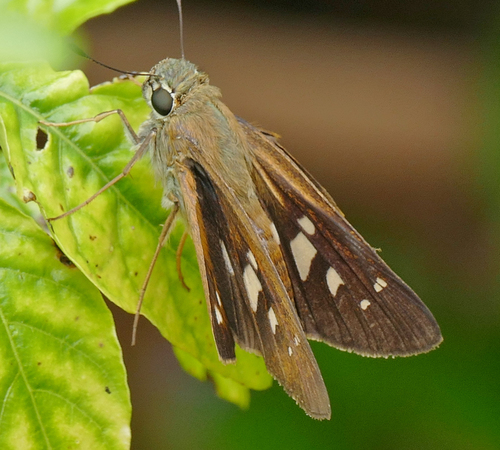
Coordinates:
column 171, row 84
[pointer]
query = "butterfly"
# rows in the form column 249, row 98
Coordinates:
column 279, row 262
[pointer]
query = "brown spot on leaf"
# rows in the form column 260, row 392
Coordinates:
column 62, row 257
column 11, row 169
column 29, row 197
column 66, row 261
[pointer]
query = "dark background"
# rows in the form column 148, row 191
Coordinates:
column 392, row 106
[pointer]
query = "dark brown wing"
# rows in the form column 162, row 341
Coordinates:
column 344, row 292
column 244, row 301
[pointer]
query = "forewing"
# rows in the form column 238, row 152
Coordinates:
column 344, row 292
column 218, row 286
column 244, row 295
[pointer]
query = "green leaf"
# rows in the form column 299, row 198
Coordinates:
column 112, row 239
column 63, row 17
column 38, row 29
column 226, row 388
column 62, row 378
column 8, row 192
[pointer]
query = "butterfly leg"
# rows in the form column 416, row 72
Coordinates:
column 138, row 155
column 167, row 227
column 131, row 133
column 178, row 256
column 97, row 119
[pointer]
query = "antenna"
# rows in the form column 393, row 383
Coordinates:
column 181, row 26
column 80, row 52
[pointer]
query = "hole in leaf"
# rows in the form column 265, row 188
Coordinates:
column 41, row 139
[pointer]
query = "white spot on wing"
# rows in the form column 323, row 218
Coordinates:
column 290, row 351
column 251, row 259
column 218, row 316
column 272, row 319
column 333, row 280
column 274, row 231
column 303, row 252
column 218, row 298
column 364, row 304
column 379, row 284
column 227, row 261
column 382, row 282
column 252, row 285
column 296, row 340
column 306, row 224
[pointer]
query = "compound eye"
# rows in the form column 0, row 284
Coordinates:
column 162, row 101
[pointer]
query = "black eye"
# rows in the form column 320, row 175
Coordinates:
column 162, row 101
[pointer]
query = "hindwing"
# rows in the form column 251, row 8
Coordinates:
column 344, row 293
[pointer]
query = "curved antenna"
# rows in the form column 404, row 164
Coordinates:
column 181, row 26
column 80, row 52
